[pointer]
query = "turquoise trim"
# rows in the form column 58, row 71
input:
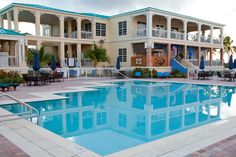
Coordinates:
column 36, row 6
column 9, row 32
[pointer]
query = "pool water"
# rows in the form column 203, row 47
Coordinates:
column 127, row 114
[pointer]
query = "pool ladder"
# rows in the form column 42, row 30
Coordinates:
column 33, row 112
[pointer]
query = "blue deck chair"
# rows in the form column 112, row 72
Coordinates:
column 159, row 74
column 137, row 74
column 166, row 74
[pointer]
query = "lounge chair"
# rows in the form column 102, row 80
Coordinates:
column 159, row 74
column 137, row 74
column 219, row 76
column 166, row 74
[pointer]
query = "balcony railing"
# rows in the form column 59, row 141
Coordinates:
column 159, row 33
column 192, row 37
column 141, row 32
column 71, row 35
column 177, row 35
column 86, row 35
column 207, row 62
column 216, row 41
column 205, row 39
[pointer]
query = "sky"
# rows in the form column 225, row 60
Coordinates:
column 221, row 11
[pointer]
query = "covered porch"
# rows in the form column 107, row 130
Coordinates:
column 157, row 55
column 12, row 49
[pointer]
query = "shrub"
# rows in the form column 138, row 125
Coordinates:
column 10, row 77
column 178, row 74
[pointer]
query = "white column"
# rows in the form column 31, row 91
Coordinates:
column 21, row 52
column 185, row 29
column 199, row 32
column 69, row 51
column 38, row 44
column 61, row 18
column 222, row 36
column 16, row 19
column 168, row 27
column 9, row 20
column 93, row 28
column 211, row 34
column 1, row 22
column 62, row 54
column 37, row 23
column 78, row 49
column 78, row 20
column 69, row 28
column 149, row 24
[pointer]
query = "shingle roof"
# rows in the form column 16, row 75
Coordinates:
column 9, row 32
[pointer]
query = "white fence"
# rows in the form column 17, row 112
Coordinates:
column 159, row 33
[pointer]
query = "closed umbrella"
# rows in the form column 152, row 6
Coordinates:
column 235, row 63
column 231, row 63
column 36, row 63
column 118, row 63
column 53, row 63
column 202, row 63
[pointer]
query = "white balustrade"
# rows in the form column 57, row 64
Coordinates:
column 177, row 35
column 86, row 35
column 141, row 32
column 159, row 33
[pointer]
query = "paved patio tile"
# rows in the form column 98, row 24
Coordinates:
column 8, row 149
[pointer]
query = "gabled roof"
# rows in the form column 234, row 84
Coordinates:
column 9, row 32
column 41, row 7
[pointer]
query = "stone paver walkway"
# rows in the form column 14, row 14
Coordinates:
column 224, row 148
column 8, row 149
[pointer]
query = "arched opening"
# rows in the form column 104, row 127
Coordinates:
column 26, row 22
column 177, row 29
column 192, row 31
column 70, row 26
column 50, row 25
column 86, row 29
column 206, row 33
column 140, row 22
column 159, row 26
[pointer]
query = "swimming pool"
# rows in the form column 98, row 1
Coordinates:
column 127, row 114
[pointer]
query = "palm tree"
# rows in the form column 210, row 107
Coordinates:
column 228, row 45
column 97, row 54
column 44, row 57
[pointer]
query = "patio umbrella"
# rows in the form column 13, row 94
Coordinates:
column 202, row 63
column 36, row 63
column 53, row 63
column 118, row 63
column 231, row 63
column 235, row 63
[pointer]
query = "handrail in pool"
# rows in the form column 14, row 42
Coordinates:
column 21, row 103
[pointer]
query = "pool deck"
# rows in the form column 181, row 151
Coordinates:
column 37, row 141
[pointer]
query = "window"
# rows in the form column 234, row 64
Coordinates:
column 122, row 28
column 101, row 118
column 101, row 29
column 122, row 120
column 88, row 27
column 123, row 55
